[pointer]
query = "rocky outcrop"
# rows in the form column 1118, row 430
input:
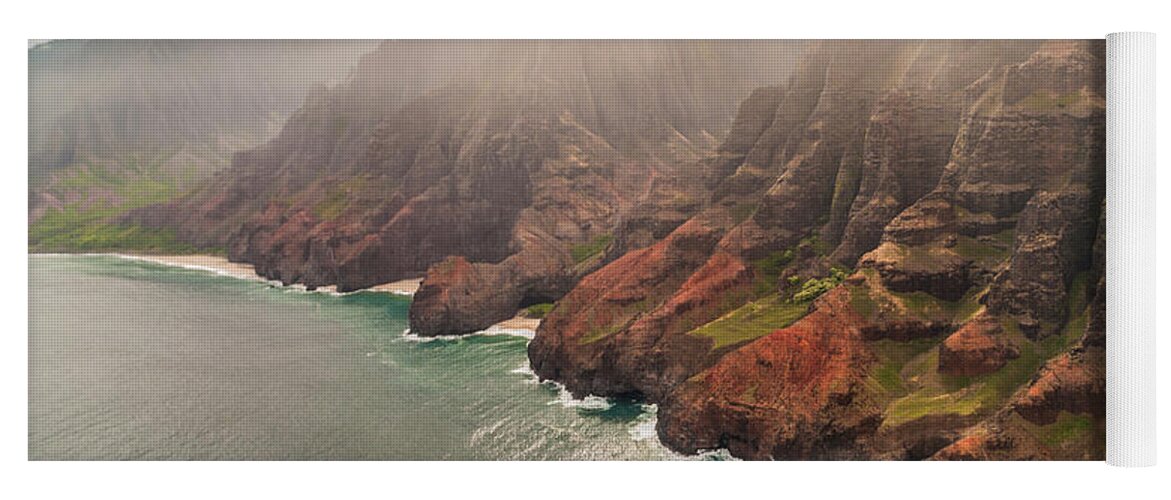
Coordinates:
column 1054, row 241
column 976, row 349
column 906, row 146
column 633, row 300
column 459, row 296
column 1074, row 382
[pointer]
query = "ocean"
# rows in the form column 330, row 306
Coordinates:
column 131, row 360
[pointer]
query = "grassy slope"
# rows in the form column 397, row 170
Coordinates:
column 95, row 195
column 772, row 310
column 752, row 321
column 583, row 252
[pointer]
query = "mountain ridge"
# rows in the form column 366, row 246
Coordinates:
column 530, row 148
column 778, row 323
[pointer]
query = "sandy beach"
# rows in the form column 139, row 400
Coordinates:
column 518, row 323
column 402, row 287
column 221, row 265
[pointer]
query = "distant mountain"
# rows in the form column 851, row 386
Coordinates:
column 115, row 124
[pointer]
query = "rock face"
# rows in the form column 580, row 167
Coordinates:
column 943, row 198
column 523, row 158
column 976, row 349
column 794, row 394
column 459, row 295
column 1067, row 394
column 647, row 298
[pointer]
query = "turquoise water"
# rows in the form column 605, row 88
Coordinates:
column 133, row 360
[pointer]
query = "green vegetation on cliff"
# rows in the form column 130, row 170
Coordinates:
column 1079, row 431
column 582, row 252
column 752, row 321
column 862, row 302
column 99, row 237
column 95, row 196
column 771, row 310
column 995, row 248
column 332, row 206
column 925, row 306
column 599, row 333
column 892, row 356
column 743, row 211
column 814, row 287
column 538, row 311
column 933, row 393
column 767, row 270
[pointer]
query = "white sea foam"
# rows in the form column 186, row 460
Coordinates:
column 591, row 402
column 564, row 397
column 524, row 370
column 514, row 332
column 716, row 454
column 300, row 288
column 644, row 426
column 527, row 372
column 568, row 400
column 488, row 430
column 491, row 331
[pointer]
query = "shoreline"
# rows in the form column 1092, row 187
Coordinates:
column 518, row 323
column 222, row 266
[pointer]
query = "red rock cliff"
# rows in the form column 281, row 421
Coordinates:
column 943, row 196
